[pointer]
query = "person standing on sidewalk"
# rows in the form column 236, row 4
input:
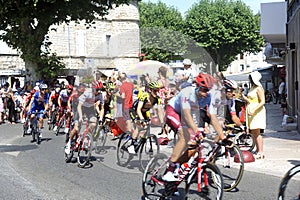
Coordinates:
column 126, row 92
column 256, row 112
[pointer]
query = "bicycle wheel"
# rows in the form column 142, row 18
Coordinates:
column 123, row 155
column 244, row 141
column 152, row 185
column 274, row 97
column 149, row 148
column 211, row 183
column 33, row 132
column 84, row 151
column 25, row 128
column 101, row 139
column 290, row 185
column 52, row 121
column 231, row 165
column 61, row 124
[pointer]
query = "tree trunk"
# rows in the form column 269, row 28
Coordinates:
column 31, row 71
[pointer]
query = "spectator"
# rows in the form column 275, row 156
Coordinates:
column 256, row 113
column 281, row 90
column 189, row 73
column 126, row 91
column 246, row 89
column 12, row 115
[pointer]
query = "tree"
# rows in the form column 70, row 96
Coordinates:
column 225, row 28
column 160, row 32
column 25, row 25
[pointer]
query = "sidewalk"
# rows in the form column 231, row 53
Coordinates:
column 281, row 147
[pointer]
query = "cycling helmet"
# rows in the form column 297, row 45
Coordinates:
column 70, row 87
column 205, row 81
column 154, row 85
column 97, row 84
column 43, row 86
column 230, row 84
column 57, row 90
column 110, row 86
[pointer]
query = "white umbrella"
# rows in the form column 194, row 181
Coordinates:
column 149, row 67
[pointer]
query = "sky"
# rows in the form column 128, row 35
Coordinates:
column 184, row 5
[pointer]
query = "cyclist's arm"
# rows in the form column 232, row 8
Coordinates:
column 189, row 119
column 59, row 101
column 217, row 126
column 79, row 110
column 139, row 110
column 236, row 120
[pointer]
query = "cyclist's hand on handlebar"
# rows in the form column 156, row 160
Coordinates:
column 227, row 143
column 197, row 136
column 143, row 122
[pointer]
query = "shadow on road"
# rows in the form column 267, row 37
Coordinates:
column 10, row 148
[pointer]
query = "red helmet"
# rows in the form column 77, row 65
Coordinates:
column 205, row 81
column 70, row 87
column 97, row 84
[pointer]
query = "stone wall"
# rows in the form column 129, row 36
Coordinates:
column 110, row 43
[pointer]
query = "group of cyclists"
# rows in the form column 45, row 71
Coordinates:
column 188, row 106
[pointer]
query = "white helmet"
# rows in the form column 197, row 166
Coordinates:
column 230, row 84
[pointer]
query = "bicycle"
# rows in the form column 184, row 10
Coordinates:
column 82, row 144
column 275, row 95
column 100, row 134
column 242, row 139
column 202, row 178
column 35, row 130
column 229, row 159
column 25, row 127
column 52, row 120
column 290, row 184
column 61, row 122
column 147, row 147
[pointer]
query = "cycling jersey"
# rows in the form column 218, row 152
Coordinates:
column 64, row 96
column 144, row 97
column 87, row 98
column 147, row 105
column 38, row 103
column 39, row 100
column 54, row 97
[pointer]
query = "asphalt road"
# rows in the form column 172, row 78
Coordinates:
column 30, row 171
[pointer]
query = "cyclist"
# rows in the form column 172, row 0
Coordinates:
column 86, row 110
column 183, row 114
column 26, row 104
column 108, row 97
column 139, row 112
column 38, row 105
column 53, row 101
column 64, row 105
column 99, row 101
column 230, row 109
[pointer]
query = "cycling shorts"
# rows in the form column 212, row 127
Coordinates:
column 39, row 110
column 173, row 118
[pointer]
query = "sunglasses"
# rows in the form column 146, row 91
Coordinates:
column 203, row 89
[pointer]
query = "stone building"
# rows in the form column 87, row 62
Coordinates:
column 112, row 43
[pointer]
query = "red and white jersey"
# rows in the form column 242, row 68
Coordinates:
column 54, row 96
column 64, row 96
column 87, row 98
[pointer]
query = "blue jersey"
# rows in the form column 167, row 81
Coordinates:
column 40, row 100
column 204, row 103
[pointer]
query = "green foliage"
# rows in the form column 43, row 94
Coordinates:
column 225, row 28
column 24, row 24
column 160, row 31
column 51, row 66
